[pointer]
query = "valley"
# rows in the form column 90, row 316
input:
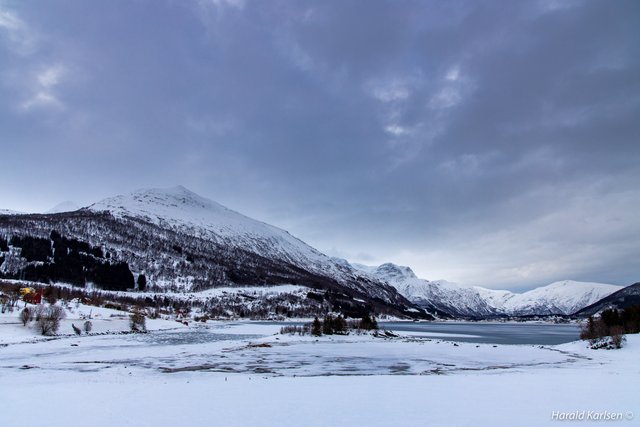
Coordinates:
column 222, row 300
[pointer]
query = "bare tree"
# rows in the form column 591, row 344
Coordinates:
column 617, row 336
column 48, row 318
column 137, row 321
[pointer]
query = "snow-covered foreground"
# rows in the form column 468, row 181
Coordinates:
column 237, row 374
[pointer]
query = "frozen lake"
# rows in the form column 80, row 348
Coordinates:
column 490, row 333
column 483, row 332
column 479, row 332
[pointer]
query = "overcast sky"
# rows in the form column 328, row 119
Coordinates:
column 490, row 143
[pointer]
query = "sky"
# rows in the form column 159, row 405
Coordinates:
column 493, row 143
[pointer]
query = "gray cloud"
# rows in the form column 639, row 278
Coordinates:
column 490, row 143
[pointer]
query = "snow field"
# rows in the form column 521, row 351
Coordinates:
column 253, row 376
column 131, row 398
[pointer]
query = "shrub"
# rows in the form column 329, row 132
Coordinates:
column 138, row 321
column 76, row 330
column 588, row 329
column 334, row 325
column 327, row 325
column 617, row 336
column 26, row 316
column 339, row 325
column 48, row 318
column 295, row 329
column 368, row 323
column 88, row 326
column 316, row 327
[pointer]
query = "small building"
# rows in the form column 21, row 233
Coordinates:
column 31, row 296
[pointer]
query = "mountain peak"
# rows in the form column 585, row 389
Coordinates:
column 182, row 209
column 164, row 203
column 573, row 285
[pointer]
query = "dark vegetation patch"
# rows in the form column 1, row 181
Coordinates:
column 62, row 259
column 607, row 330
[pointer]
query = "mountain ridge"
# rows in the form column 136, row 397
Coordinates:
column 450, row 299
column 621, row 299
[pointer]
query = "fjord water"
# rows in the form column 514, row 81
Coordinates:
column 489, row 332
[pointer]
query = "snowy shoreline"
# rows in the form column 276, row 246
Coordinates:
column 245, row 373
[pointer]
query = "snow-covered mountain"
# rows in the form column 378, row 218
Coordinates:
column 182, row 241
column 564, row 297
column 438, row 297
column 450, row 299
column 186, row 212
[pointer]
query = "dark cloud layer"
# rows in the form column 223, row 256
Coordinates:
column 493, row 143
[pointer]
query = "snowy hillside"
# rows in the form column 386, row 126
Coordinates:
column 565, row 297
column 183, row 210
column 621, row 300
column 441, row 297
column 180, row 241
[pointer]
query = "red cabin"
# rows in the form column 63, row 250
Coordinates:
column 33, row 297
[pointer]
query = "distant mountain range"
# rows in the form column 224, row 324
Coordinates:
column 180, row 241
column 452, row 300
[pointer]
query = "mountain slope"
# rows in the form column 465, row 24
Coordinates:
column 181, row 210
column 441, row 298
column 449, row 299
column 625, row 297
column 181, row 241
